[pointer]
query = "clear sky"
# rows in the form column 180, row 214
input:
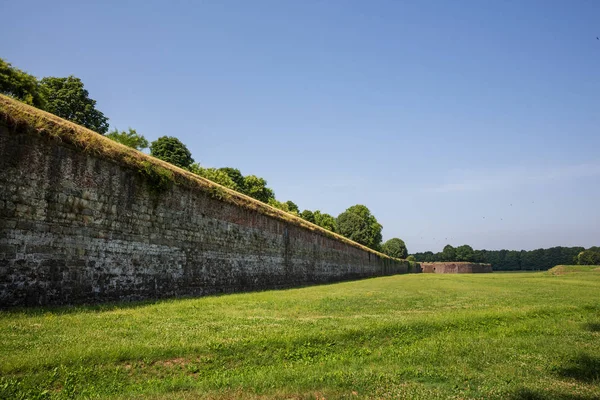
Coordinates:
column 456, row 122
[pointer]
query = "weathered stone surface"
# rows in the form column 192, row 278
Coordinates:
column 455, row 268
column 77, row 228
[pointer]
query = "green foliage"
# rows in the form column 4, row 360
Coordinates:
column 256, row 187
column 217, row 192
column 424, row 336
column 395, row 248
column 159, row 179
column 411, row 258
column 129, row 138
column 358, row 224
column 478, row 256
column 427, row 256
column 283, row 206
column 464, row 253
column 20, row 85
column 293, row 207
column 67, row 98
column 449, row 253
column 236, row 176
column 588, row 257
column 171, row 150
column 215, row 175
column 325, row 220
column 308, row 215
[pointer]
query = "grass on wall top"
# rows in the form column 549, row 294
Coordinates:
column 22, row 117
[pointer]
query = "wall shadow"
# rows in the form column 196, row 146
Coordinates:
column 112, row 305
column 583, row 367
column 592, row 326
column 61, row 309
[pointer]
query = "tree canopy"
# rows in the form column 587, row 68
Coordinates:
column 256, row 187
column 308, row 215
column 464, row 253
column 325, row 220
column 449, row 253
column 20, row 85
column 358, row 224
column 215, row 175
column 129, row 138
column 236, row 176
column 67, row 98
column 171, row 150
column 293, row 207
column 588, row 257
column 507, row 260
column 283, row 206
column 395, row 247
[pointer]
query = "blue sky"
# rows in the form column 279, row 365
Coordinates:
column 454, row 121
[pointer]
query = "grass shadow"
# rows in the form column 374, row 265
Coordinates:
column 592, row 326
column 103, row 305
column 583, row 367
column 529, row 394
column 82, row 308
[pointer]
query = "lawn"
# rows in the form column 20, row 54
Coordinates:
column 427, row 336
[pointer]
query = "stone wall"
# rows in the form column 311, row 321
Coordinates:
column 455, row 268
column 77, row 227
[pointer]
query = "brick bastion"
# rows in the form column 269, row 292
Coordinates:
column 455, row 268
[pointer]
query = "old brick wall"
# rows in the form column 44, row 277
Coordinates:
column 79, row 228
column 455, row 268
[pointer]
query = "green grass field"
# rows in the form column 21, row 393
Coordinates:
column 428, row 336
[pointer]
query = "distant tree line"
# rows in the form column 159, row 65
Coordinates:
column 67, row 98
column 511, row 260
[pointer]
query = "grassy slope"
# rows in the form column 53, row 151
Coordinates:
column 569, row 269
column 515, row 336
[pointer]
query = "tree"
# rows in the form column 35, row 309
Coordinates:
column 325, row 220
column 588, row 257
column 479, row 256
column 171, row 150
column 20, row 85
column 236, row 176
column 293, row 207
column 257, row 188
column 67, row 99
column 449, row 253
column 464, row 253
column 358, row 224
column 284, row 206
column 213, row 174
column 395, row 248
column 427, row 256
column 513, row 260
column 308, row 215
column 129, row 138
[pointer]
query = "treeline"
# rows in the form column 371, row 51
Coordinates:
column 67, row 98
column 512, row 260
